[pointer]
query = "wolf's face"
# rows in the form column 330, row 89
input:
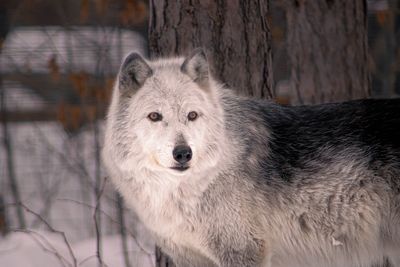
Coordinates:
column 168, row 118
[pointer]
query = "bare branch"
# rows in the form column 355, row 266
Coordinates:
column 132, row 235
column 45, row 245
column 62, row 234
column 121, row 219
column 96, row 223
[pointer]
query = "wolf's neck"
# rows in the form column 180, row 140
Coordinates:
column 160, row 187
column 165, row 206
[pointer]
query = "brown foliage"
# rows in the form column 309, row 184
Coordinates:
column 133, row 12
column 101, row 7
column 54, row 68
column 84, row 11
column 383, row 17
column 80, row 83
column 70, row 116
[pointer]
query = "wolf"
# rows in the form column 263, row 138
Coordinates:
column 223, row 180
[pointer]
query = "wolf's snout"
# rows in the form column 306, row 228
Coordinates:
column 182, row 154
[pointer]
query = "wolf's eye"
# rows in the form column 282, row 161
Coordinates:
column 192, row 115
column 155, row 116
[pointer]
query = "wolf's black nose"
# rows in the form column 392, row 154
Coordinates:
column 182, row 154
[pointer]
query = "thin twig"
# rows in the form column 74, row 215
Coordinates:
column 45, row 245
column 120, row 208
column 27, row 209
column 96, row 224
column 87, row 258
column 127, row 230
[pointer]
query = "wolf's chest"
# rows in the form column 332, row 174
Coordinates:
column 170, row 219
column 161, row 210
column 168, row 210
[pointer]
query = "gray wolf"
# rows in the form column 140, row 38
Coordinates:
column 223, row 180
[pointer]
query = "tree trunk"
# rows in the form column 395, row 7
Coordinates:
column 235, row 34
column 9, row 152
column 3, row 218
column 327, row 47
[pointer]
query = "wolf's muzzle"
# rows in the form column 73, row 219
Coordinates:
column 182, row 154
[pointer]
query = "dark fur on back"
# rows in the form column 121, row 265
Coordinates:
column 299, row 133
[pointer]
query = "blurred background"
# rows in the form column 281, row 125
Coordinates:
column 58, row 61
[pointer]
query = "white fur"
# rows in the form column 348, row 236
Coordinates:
column 138, row 156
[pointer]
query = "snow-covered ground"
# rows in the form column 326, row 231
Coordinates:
column 45, row 249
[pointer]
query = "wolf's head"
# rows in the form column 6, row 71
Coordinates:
column 165, row 116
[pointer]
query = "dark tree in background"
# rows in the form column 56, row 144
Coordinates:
column 235, row 34
column 327, row 47
column 7, row 137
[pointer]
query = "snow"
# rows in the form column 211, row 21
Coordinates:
column 44, row 249
column 113, row 253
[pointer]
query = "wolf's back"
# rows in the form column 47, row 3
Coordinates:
column 368, row 130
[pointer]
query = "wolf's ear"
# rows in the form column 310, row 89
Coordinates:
column 133, row 73
column 196, row 67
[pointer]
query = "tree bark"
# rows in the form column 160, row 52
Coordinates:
column 235, row 34
column 327, row 47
